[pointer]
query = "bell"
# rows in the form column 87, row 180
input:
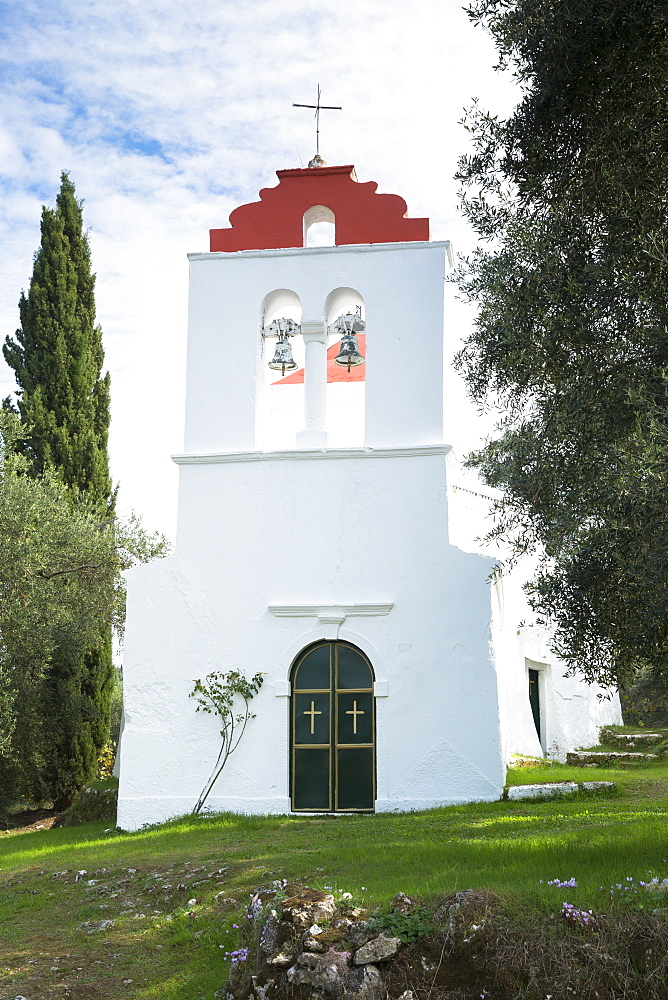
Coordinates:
column 349, row 354
column 282, row 360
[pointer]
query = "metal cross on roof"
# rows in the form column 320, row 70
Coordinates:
column 318, row 108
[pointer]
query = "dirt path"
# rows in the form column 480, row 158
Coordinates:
column 30, row 821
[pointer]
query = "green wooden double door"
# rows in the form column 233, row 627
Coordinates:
column 333, row 726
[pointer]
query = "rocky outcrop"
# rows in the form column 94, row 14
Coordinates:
column 300, row 938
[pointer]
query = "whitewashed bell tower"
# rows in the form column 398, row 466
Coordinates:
column 312, row 536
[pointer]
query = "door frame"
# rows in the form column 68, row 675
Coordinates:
column 333, row 745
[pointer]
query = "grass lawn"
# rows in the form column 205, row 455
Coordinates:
column 164, row 945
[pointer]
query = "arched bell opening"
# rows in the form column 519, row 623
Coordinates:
column 280, row 403
column 332, row 730
column 319, row 227
column 345, row 315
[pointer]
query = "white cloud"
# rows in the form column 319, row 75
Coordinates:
column 169, row 114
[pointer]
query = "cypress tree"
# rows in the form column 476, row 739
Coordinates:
column 58, row 356
column 63, row 400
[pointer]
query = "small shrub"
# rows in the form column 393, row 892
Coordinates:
column 217, row 694
column 577, row 917
column 116, row 706
column 648, row 897
column 96, row 800
column 408, row 927
column 106, row 760
column 645, row 702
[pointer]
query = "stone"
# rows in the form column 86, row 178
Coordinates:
column 330, row 936
column 282, row 959
column 542, row 791
column 402, row 903
column 323, row 973
column 260, row 991
column 358, row 933
column 518, row 760
column 338, row 960
column 579, row 757
column 363, row 983
column 312, row 944
column 465, row 914
column 307, row 907
column 630, row 739
column 278, row 942
column 304, row 950
column 225, row 902
column 597, row 786
column 93, row 926
column 263, row 898
column 377, row 950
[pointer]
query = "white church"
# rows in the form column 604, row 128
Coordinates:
column 327, row 538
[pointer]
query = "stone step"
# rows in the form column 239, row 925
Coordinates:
column 518, row 760
column 549, row 789
column 631, row 739
column 583, row 758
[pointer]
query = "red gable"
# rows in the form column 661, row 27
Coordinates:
column 276, row 221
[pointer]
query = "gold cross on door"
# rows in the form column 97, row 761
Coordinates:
column 354, row 711
column 312, row 712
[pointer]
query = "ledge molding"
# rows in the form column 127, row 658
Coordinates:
column 310, row 454
column 330, row 614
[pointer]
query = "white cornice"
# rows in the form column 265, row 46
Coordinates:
column 307, row 251
column 307, row 454
column 331, row 613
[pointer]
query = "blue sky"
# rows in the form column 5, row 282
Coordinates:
column 169, row 114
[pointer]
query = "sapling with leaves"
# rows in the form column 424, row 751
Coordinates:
column 228, row 695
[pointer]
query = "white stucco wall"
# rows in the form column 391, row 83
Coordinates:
column 338, row 532
column 571, row 710
column 325, row 531
column 279, row 548
column 401, row 286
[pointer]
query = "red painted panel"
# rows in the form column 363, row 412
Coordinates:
column 276, row 221
column 335, row 373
